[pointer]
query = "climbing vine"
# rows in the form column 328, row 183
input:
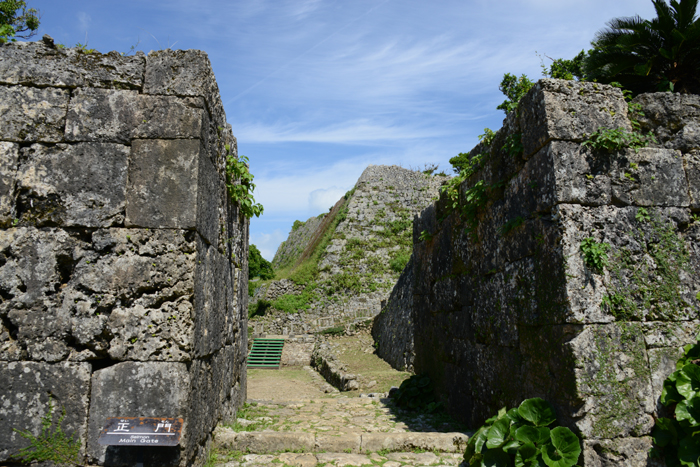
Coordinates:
column 242, row 192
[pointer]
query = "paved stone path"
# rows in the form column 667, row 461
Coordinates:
column 337, row 431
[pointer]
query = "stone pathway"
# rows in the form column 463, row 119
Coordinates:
column 336, row 430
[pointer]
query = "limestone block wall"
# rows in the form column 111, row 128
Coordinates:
column 123, row 263
column 508, row 308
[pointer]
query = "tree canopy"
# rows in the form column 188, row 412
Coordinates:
column 662, row 54
column 259, row 266
column 16, row 20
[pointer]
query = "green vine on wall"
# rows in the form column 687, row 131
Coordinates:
column 242, row 192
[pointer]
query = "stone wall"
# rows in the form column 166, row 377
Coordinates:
column 356, row 246
column 123, row 264
column 392, row 328
column 505, row 306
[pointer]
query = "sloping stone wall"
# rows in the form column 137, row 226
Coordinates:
column 123, row 263
column 506, row 308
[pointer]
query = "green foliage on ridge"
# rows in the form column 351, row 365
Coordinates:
column 258, row 266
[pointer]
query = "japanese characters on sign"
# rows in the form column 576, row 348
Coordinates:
column 141, row 431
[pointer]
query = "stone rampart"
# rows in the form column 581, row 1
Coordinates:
column 123, row 263
column 506, row 305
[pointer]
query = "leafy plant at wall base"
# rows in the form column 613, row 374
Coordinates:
column 594, row 254
column 52, row 444
column 521, row 437
column 242, row 192
column 677, row 439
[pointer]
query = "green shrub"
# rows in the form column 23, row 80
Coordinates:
column 334, row 331
column 514, row 88
column 292, row 303
column 259, row 266
column 522, row 437
column 399, row 262
column 677, row 439
column 297, row 224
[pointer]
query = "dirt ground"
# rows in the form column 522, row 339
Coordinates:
column 285, row 384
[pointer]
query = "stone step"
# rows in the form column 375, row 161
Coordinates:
column 341, row 459
column 267, row 442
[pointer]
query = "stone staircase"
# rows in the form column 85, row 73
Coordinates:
column 337, row 430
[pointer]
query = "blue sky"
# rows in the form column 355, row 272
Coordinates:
column 316, row 90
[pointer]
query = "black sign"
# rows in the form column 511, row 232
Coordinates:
column 141, row 431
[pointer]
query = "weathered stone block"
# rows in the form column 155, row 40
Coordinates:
column 569, row 110
column 42, row 64
column 33, row 114
column 614, row 381
column 136, row 389
column 621, row 452
column 9, row 160
column 119, row 116
column 73, row 185
column 162, row 187
column 181, row 73
column 211, row 197
column 691, row 161
column 212, row 320
column 650, row 177
column 674, row 119
column 640, row 251
column 658, row 334
column 26, row 391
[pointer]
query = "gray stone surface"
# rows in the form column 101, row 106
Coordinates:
column 28, row 390
column 393, row 327
column 33, row 114
column 119, row 116
column 136, row 389
column 673, row 118
column 569, row 110
column 691, row 161
column 73, row 185
column 43, row 64
column 162, row 186
column 9, row 160
column 614, row 380
column 625, row 452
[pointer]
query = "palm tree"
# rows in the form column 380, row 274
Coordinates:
column 646, row 56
